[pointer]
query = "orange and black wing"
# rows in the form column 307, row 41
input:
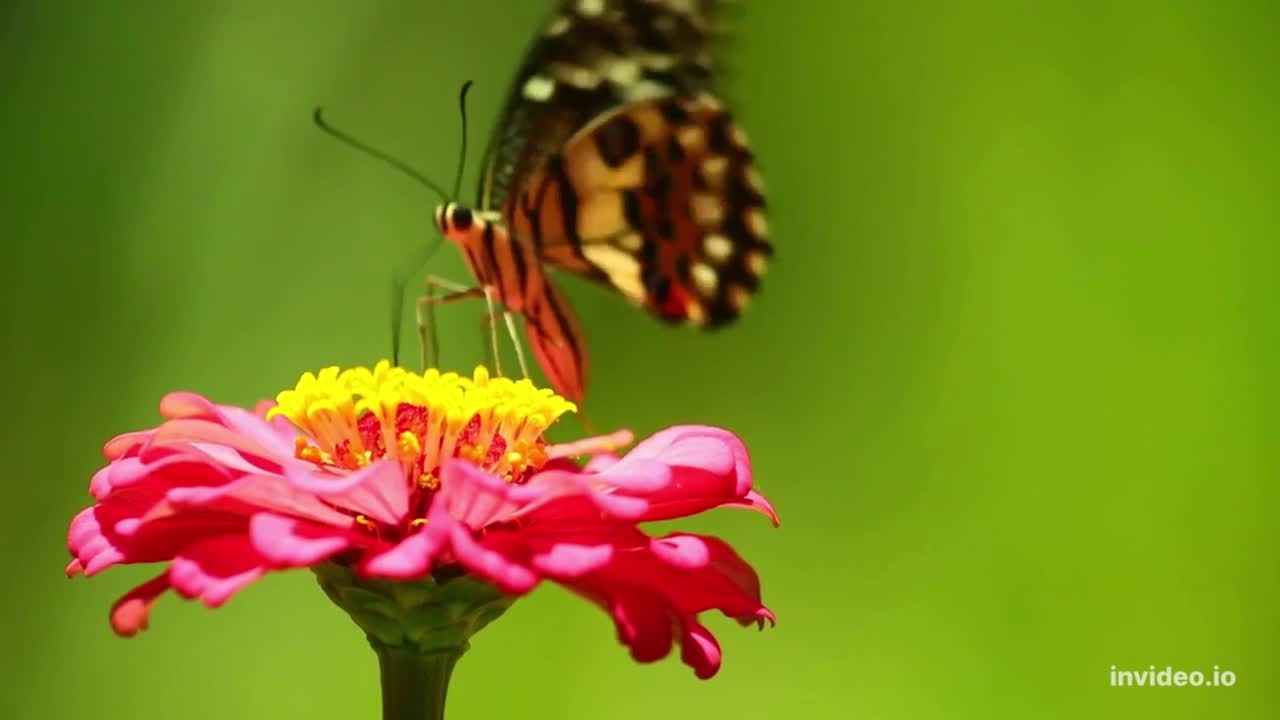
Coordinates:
column 660, row 199
column 591, row 57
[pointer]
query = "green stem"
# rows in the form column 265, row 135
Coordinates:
column 414, row 684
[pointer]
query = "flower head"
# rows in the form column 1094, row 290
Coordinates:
column 386, row 476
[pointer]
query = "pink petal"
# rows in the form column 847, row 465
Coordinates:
column 379, row 490
column 181, row 404
column 687, row 552
column 756, row 501
column 601, row 462
column 509, row 576
column 216, row 569
column 699, row 649
column 475, row 498
column 198, row 433
column 644, row 624
column 412, row 557
column 182, row 467
column 567, row 560
column 291, row 542
column 259, row 492
column 274, row 438
column 130, row 613
column 722, row 581
column 126, row 444
column 567, row 496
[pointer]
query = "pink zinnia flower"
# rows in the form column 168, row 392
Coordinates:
column 386, row 476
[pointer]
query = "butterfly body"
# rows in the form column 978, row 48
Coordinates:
column 613, row 160
column 513, row 273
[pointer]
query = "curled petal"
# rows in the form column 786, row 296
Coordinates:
column 681, row 471
column 412, row 557
column 699, row 649
column 568, row 560
column 290, row 542
column 273, row 439
column 601, row 462
column 130, row 613
column 258, row 492
column 574, row 497
column 755, row 501
column 687, row 552
column 126, row 444
column 190, row 432
column 216, row 569
column 492, row 565
column 181, row 404
column 644, row 625
column 475, row 498
column 378, row 490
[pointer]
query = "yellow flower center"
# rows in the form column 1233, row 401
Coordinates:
column 350, row 418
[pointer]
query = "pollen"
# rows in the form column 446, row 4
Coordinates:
column 368, row 525
column 408, row 444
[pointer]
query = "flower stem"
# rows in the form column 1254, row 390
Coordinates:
column 414, row 684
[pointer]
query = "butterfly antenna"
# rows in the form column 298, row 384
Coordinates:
column 462, row 156
column 346, row 139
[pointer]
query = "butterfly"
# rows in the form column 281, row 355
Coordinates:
column 612, row 159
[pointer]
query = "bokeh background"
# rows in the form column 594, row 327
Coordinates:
column 1011, row 381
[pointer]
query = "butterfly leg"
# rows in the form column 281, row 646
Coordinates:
column 515, row 340
column 427, row 341
column 491, row 319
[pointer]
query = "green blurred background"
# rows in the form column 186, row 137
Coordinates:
column 1011, row 381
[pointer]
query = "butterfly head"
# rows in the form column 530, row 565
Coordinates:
column 455, row 222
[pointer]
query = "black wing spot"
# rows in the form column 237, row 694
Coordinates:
column 632, row 210
column 617, row 140
column 682, row 268
column 660, row 289
column 721, row 142
column 673, row 111
column 657, row 175
column 675, row 151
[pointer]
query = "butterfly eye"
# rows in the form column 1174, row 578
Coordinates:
column 461, row 218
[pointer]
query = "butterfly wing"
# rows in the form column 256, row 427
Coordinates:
column 556, row 341
column 593, row 56
column 659, row 199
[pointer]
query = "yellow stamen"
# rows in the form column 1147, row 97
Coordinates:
column 369, row 525
column 355, row 416
column 407, row 445
column 304, row 450
column 474, row 453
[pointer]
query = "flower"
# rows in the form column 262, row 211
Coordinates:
column 385, row 476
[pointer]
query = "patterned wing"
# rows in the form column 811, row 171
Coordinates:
column 593, row 56
column 659, row 199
